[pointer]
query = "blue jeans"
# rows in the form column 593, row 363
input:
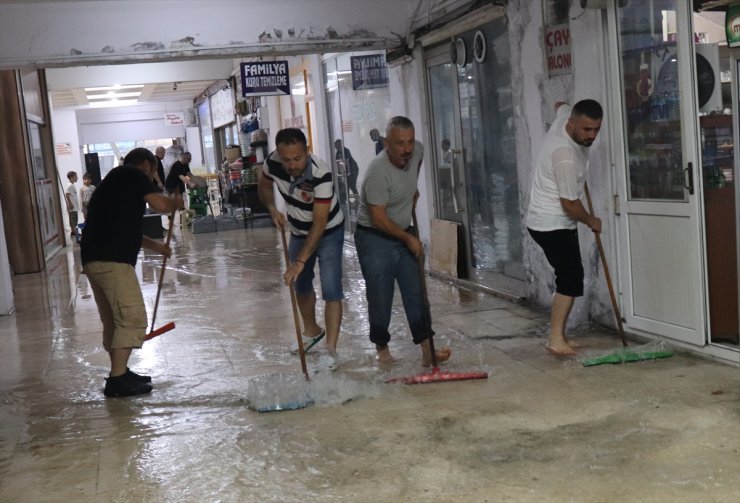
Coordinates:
column 329, row 253
column 385, row 260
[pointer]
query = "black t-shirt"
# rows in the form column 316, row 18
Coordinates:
column 173, row 179
column 115, row 217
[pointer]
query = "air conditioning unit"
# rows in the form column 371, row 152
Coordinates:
column 191, row 117
column 708, row 81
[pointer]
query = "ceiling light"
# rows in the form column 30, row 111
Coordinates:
column 112, row 103
column 111, row 95
column 115, row 87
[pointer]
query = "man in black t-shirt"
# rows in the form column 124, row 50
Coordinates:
column 110, row 244
column 179, row 174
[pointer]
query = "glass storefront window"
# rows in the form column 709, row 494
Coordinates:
column 353, row 114
column 651, row 100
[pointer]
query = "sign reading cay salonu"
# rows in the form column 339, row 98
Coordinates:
column 558, row 55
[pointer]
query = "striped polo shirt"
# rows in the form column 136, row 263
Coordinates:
column 315, row 186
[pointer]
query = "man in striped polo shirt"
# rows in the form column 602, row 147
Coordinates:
column 315, row 221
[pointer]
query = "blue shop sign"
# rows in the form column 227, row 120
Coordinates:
column 369, row 72
column 265, row 78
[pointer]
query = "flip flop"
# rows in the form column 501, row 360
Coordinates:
column 308, row 342
column 559, row 353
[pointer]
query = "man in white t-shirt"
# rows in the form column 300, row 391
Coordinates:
column 555, row 207
column 73, row 202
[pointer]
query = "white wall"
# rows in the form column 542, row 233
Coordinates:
column 64, row 131
column 535, row 98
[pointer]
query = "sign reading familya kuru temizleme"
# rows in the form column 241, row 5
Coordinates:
column 265, row 78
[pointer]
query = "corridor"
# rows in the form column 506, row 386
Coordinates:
column 539, row 429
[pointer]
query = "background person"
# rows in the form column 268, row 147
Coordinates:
column 179, row 175
column 86, row 192
column 159, row 176
column 352, row 169
column 378, row 140
column 73, row 202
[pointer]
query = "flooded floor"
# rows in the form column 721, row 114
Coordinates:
column 538, row 429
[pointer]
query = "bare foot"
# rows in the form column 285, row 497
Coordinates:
column 384, row 356
column 561, row 349
column 442, row 356
column 573, row 344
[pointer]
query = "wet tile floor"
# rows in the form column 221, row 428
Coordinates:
column 538, row 429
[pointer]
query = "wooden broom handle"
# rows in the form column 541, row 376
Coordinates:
column 615, row 307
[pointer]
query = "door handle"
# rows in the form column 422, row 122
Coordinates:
column 688, row 181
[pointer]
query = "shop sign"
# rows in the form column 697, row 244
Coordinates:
column 265, row 78
column 558, row 55
column 63, row 148
column 732, row 25
column 369, row 72
column 174, row 119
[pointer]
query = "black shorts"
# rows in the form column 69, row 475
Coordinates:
column 564, row 255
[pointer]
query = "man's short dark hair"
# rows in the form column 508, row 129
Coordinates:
column 590, row 108
column 70, row 174
column 137, row 157
column 290, row 136
column 400, row 122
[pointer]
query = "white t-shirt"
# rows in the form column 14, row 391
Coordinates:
column 72, row 196
column 559, row 173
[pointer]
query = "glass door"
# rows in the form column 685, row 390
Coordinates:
column 662, row 276
column 474, row 153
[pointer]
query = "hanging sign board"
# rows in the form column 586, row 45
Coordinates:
column 558, row 55
column 732, row 25
column 265, row 78
column 174, row 119
column 369, row 72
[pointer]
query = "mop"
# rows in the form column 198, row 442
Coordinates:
column 169, row 326
column 649, row 351
column 293, row 392
column 436, row 375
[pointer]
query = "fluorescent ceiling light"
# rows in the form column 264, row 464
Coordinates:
column 113, row 103
column 115, row 87
column 112, row 95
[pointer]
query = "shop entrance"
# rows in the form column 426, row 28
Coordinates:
column 677, row 158
column 473, row 154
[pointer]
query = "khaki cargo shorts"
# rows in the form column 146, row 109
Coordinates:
column 120, row 304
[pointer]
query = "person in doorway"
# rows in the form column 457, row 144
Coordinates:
column 179, row 175
column 110, row 244
column 555, row 208
column 316, row 233
column 86, row 192
column 387, row 245
column 73, row 203
column 378, row 140
column 352, row 169
column 159, row 175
